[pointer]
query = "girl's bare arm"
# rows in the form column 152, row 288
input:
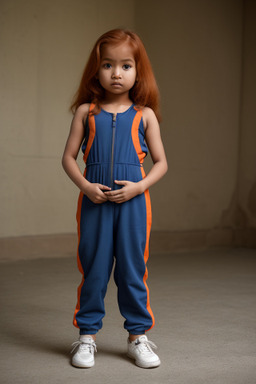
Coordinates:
column 156, row 149
column 76, row 135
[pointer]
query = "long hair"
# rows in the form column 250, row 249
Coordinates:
column 145, row 91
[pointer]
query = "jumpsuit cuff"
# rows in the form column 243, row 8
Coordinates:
column 87, row 332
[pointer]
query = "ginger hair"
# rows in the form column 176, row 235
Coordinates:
column 145, row 91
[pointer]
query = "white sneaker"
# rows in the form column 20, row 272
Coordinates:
column 84, row 356
column 141, row 351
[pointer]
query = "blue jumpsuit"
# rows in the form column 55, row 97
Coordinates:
column 114, row 149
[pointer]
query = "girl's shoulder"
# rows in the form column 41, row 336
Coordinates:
column 148, row 112
column 148, row 116
column 82, row 111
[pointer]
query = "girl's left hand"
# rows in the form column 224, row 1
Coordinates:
column 126, row 193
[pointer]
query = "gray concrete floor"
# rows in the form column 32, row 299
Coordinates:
column 205, row 308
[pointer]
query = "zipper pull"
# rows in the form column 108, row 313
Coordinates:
column 114, row 117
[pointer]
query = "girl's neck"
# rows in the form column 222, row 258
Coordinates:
column 116, row 104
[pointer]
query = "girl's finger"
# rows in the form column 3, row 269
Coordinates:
column 121, row 182
column 115, row 199
column 112, row 198
column 101, row 186
column 112, row 193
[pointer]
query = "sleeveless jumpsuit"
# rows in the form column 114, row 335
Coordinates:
column 114, row 149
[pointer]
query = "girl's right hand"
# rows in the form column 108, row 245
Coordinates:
column 94, row 192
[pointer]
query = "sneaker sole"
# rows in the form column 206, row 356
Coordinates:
column 80, row 365
column 154, row 364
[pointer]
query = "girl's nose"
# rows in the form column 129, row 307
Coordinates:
column 116, row 74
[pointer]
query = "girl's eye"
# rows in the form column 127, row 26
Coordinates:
column 106, row 65
column 127, row 66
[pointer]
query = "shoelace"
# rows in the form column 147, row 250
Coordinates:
column 84, row 346
column 145, row 346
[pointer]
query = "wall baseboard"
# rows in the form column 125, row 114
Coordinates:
column 245, row 238
column 161, row 242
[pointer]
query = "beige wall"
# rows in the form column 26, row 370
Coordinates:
column 196, row 48
column 44, row 47
column 247, row 168
column 196, row 51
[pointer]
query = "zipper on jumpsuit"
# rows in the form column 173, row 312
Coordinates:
column 112, row 151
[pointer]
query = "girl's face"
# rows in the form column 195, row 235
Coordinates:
column 117, row 73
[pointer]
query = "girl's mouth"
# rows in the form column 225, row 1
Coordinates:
column 116, row 85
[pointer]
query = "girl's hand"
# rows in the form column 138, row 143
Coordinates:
column 126, row 193
column 94, row 192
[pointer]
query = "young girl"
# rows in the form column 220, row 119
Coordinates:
column 115, row 120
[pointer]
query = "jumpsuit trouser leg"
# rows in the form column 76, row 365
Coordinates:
column 132, row 229
column 107, row 230
column 95, row 262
